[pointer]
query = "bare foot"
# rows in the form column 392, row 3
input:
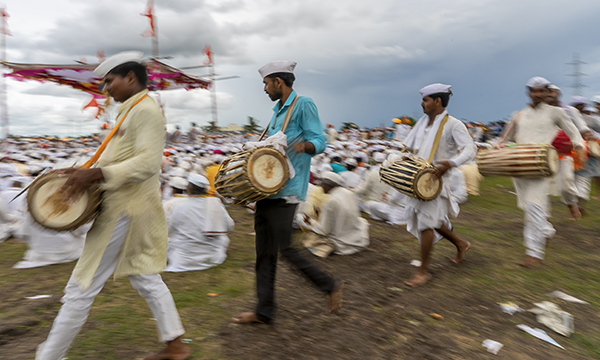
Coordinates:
column 530, row 262
column 462, row 250
column 419, row 279
column 175, row 350
column 247, row 318
column 335, row 297
column 575, row 212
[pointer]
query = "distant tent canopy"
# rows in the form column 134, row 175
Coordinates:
column 81, row 76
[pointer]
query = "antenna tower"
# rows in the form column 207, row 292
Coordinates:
column 577, row 75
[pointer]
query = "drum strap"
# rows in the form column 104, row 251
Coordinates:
column 286, row 121
column 100, row 150
column 438, row 136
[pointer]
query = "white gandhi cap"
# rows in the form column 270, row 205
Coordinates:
column 198, row 180
column 436, row 88
column 537, row 82
column 118, row 59
column 277, row 67
column 333, row 177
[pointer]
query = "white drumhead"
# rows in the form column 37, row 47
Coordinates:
column 53, row 213
column 427, row 185
column 553, row 160
column 267, row 170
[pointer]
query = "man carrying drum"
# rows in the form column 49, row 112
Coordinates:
column 129, row 236
column 274, row 216
column 537, row 124
column 429, row 220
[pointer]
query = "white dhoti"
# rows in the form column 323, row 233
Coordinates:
column 533, row 199
column 584, row 187
column 565, row 182
column 424, row 215
column 536, row 230
column 77, row 303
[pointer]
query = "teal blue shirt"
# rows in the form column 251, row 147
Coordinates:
column 304, row 125
column 337, row 168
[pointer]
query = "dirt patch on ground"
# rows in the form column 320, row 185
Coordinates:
column 384, row 319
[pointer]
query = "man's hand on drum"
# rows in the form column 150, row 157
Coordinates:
column 441, row 168
column 79, row 181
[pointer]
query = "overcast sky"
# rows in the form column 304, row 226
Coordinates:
column 361, row 61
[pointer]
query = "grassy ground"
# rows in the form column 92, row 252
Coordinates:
column 380, row 314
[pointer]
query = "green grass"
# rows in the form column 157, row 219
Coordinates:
column 120, row 325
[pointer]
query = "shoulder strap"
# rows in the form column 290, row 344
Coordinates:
column 100, row 150
column 438, row 136
column 286, row 121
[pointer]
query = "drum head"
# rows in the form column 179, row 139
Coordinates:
column 552, row 160
column 46, row 207
column 267, row 170
column 426, row 186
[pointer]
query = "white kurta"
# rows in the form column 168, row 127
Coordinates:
column 423, row 215
column 372, row 188
column 341, row 223
column 537, row 125
column 392, row 211
column 47, row 247
column 198, row 228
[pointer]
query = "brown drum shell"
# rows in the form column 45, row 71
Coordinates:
column 242, row 184
column 525, row 161
column 91, row 211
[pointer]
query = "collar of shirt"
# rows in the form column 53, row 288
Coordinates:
column 278, row 108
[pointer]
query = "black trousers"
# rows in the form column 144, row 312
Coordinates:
column 273, row 226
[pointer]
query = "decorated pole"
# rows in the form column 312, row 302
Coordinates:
column 213, row 90
column 152, row 31
column 3, row 101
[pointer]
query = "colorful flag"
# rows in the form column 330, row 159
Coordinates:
column 150, row 15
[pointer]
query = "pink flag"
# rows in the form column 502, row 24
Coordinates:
column 150, row 15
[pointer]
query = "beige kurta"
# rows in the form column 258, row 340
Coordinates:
column 131, row 169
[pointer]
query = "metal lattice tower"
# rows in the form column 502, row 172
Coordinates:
column 577, row 75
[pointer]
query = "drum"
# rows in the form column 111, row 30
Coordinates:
column 252, row 175
column 526, row 161
column 414, row 177
column 594, row 148
column 48, row 209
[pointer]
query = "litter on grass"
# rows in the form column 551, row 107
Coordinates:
column 38, row 297
column 553, row 317
column 492, row 346
column 540, row 334
column 566, row 297
column 510, row 307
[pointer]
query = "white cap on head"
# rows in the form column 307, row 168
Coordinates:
column 277, row 67
column 554, row 87
column 351, row 162
column 118, row 59
column 596, row 99
column 590, row 109
column 578, row 100
column 334, row 155
column 198, row 180
column 537, row 82
column 178, row 183
column 379, row 157
column 333, row 177
column 436, row 88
